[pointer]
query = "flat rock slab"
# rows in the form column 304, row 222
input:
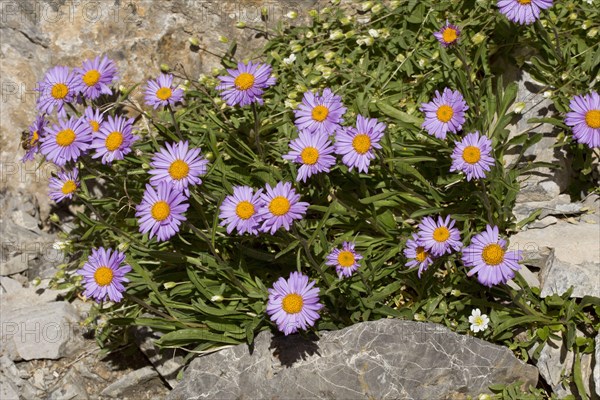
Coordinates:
column 574, row 257
column 385, row 359
column 40, row 331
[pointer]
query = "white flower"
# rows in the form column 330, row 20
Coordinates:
column 61, row 245
column 479, row 322
column 289, row 60
column 292, row 15
column 373, row 33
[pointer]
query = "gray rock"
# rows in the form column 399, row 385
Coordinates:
column 10, row 285
column 530, row 277
column 555, row 362
column 541, row 184
column 11, row 384
column 129, row 382
column 575, row 260
column 14, row 265
column 559, row 276
column 40, row 331
column 167, row 362
column 71, row 386
column 543, row 222
column 384, row 359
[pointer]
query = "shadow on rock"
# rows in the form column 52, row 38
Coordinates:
column 289, row 349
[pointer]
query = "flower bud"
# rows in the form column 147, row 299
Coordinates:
column 164, row 68
column 292, row 15
column 217, row 298
column 194, row 41
column 240, row 25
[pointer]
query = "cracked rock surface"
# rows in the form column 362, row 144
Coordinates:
column 384, row 359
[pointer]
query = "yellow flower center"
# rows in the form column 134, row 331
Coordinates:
column 244, row 209
column 113, row 141
column 160, row 210
column 179, row 169
column 292, row 303
column 65, row 137
column 244, row 81
column 346, row 258
column 309, row 155
column 164, row 93
column 59, row 91
column 478, row 321
column 34, row 138
column 69, row 187
column 103, row 276
column 471, row 154
column 592, row 119
column 449, row 35
column 91, row 77
column 445, row 113
column 441, row 234
column 361, row 143
column 319, row 113
column 95, row 126
column 524, row 2
column 279, row 206
column 421, row 254
column 492, row 254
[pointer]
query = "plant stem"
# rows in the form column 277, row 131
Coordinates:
column 463, row 59
column 256, row 134
column 175, row 122
column 313, row 262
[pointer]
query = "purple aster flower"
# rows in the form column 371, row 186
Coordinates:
column 95, row 118
column 439, row 238
column 57, row 88
column 280, row 207
column 472, row 156
column 64, row 185
column 114, row 140
column 66, row 141
column 103, row 275
column 448, row 35
column 524, row 12
column 488, row 258
column 93, row 78
column 417, row 254
column 345, row 261
column 313, row 152
column 179, row 165
column 161, row 211
column 161, row 92
column 36, row 130
column 322, row 114
column 294, row 303
column 356, row 144
column 445, row 113
column 239, row 211
column 585, row 119
column 245, row 85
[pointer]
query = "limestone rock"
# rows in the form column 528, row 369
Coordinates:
column 167, row 362
column 71, row 386
column 574, row 262
column 12, row 385
column 555, row 362
column 129, row 382
column 138, row 34
column 40, row 331
column 541, row 184
column 384, row 359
